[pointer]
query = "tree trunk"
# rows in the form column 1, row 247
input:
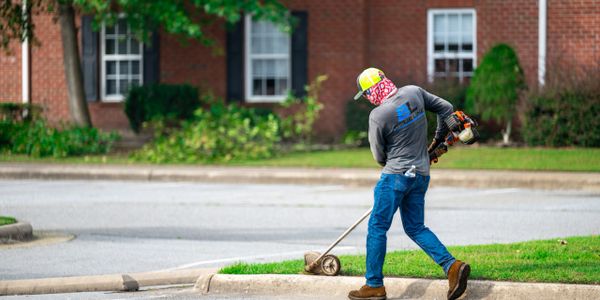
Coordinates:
column 72, row 63
column 506, row 133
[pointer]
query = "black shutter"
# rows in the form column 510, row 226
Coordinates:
column 300, row 53
column 235, row 62
column 89, row 42
column 151, row 59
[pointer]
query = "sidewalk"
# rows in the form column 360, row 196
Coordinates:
column 112, row 282
column 396, row 288
column 362, row 177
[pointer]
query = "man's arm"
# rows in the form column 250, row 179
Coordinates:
column 442, row 108
column 377, row 142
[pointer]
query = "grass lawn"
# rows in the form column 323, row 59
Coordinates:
column 459, row 157
column 577, row 261
column 539, row 159
column 7, row 220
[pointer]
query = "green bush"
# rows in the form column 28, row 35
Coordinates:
column 218, row 134
column 564, row 116
column 496, row 86
column 38, row 139
column 15, row 112
column 357, row 122
column 167, row 102
column 297, row 127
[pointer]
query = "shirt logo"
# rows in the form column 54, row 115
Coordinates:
column 407, row 114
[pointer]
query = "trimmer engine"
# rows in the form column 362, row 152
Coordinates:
column 462, row 128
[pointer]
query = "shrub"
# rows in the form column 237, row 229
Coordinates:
column 218, row 134
column 298, row 127
column 564, row 116
column 37, row 139
column 496, row 85
column 166, row 102
column 15, row 112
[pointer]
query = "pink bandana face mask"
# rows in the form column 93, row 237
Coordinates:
column 378, row 93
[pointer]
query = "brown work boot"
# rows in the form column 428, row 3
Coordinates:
column 368, row 293
column 458, row 275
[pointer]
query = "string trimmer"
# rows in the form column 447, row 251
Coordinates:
column 325, row 263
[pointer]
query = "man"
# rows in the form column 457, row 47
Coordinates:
column 398, row 139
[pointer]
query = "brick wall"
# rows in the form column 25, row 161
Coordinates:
column 48, row 83
column 10, row 74
column 573, row 34
column 514, row 23
column 194, row 63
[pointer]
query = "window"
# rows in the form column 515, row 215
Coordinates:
column 451, row 43
column 268, row 64
column 121, row 61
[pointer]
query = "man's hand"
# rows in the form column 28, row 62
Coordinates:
column 434, row 144
column 435, row 153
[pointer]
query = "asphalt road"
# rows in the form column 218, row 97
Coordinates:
column 138, row 226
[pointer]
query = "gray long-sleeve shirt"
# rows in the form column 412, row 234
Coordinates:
column 398, row 129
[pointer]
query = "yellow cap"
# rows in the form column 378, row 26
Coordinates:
column 367, row 79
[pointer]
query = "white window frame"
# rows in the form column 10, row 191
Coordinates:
column 248, row 66
column 431, row 56
column 116, row 57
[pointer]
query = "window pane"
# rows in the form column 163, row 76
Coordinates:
column 110, row 30
column 281, row 68
column 453, row 23
column 135, row 67
column 467, row 65
column 257, row 87
column 282, row 45
column 121, row 27
column 467, row 23
column 258, row 68
column 467, row 46
column 123, row 86
column 111, row 68
column 439, row 25
column 122, row 46
column 267, row 38
column 281, row 87
column 256, row 45
column 124, row 67
column 111, row 87
column 270, row 87
column 135, row 46
column 453, row 65
column 440, row 65
column 269, row 68
column 255, row 28
column 110, row 46
column 268, row 46
column 453, row 42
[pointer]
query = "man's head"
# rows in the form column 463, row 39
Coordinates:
column 373, row 84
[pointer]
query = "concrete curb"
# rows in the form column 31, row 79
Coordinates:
column 360, row 177
column 397, row 288
column 114, row 282
column 20, row 231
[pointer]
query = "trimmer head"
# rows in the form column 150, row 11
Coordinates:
column 328, row 265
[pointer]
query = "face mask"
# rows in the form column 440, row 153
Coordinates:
column 378, row 93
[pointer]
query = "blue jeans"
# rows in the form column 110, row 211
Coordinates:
column 393, row 192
